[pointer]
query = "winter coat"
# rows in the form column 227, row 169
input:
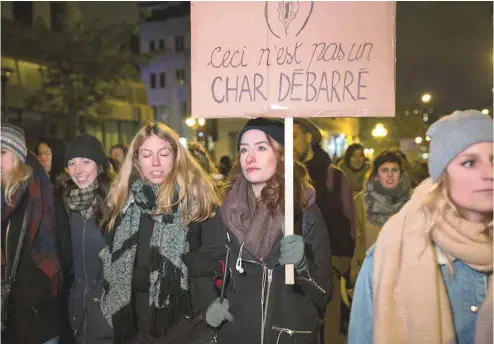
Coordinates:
column 84, row 309
column 291, row 313
column 335, row 200
column 466, row 289
column 186, row 324
column 355, row 178
column 35, row 315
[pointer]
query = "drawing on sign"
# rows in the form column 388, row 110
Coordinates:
column 287, row 16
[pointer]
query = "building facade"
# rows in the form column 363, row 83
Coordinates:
column 116, row 121
column 165, row 31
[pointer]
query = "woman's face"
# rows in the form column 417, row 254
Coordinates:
column 8, row 162
column 469, row 180
column 156, row 159
column 257, row 159
column 83, row 171
column 389, row 175
column 45, row 156
column 357, row 159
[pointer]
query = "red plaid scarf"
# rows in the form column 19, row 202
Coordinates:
column 41, row 229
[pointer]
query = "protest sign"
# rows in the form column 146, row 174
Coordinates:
column 293, row 58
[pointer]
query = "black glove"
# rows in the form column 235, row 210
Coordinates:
column 202, row 265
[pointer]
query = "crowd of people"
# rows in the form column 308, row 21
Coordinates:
column 154, row 243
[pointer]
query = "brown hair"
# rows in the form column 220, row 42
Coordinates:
column 273, row 194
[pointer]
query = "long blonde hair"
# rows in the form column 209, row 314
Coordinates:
column 12, row 180
column 197, row 198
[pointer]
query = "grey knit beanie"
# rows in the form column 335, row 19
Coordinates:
column 454, row 133
column 14, row 139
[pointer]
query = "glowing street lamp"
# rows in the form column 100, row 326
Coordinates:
column 379, row 131
column 418, row 140
column 485, row 111
column 201, row 122
column 427, row 138
column 190, row 122
column 426, row 97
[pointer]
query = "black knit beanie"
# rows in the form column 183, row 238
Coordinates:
column 270, row 126
column 86, row 146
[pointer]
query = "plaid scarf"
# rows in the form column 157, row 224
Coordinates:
column 41, row 229
column 84, row 200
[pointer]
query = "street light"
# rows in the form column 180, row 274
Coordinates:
column 379, row 131
column 418, row 140
column 485, row 111
column 426, row 97
column 201, row 122
column 190, row 122
column 427, row 138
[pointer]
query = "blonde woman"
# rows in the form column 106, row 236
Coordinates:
column 34, row 309
column 428, row 279
column 160, row 192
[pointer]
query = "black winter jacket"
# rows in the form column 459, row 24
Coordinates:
column 266, row 310
column 81, row 242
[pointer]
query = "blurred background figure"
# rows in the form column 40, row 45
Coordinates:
column 386, row 191
column 355, row 167
column 118, row 152
column 225, row 165
column 408, row 168
column 51, row 153
column 203, row 158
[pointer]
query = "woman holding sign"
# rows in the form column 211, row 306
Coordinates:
column 259, row 307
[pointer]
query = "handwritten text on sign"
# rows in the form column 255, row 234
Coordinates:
column 299, row 58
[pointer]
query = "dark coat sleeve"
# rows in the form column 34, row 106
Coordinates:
column 212, row 246
column 63, row 228
column 346, row 196
column 316, row 280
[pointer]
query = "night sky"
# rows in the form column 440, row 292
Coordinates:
column 445, row 48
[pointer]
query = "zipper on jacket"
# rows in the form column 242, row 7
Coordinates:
column 85, row 272
column 265, row 301
column 288, row 331
column 7, row 248
column 311, row 281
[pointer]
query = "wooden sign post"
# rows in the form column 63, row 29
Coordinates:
column 292, row 59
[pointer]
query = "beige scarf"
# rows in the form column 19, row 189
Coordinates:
column 410, row 301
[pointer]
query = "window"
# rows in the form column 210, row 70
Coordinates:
column 23, row 11
column 180, row 75
column 162, row 116
column 161, row 44
column 57, row 12
column 162, row 80
column 184, row 109
column 152, row 80
column 151, row 46
column 179, row 44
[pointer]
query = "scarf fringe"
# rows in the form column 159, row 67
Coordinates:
column 123, row 324
column 56, row 283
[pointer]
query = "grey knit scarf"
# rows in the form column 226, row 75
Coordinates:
column 383, row 203
column 168, row 278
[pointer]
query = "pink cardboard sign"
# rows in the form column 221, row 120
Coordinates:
column 293, row 59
